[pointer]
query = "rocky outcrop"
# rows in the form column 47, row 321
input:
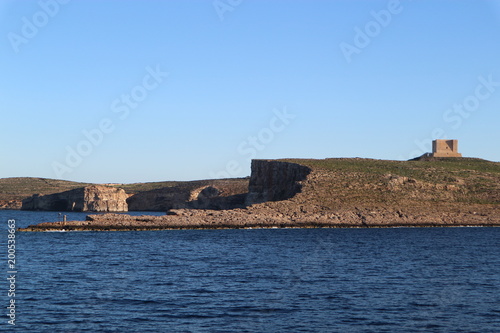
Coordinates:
column 275, row 180
column 264, row 216
column 92, row 198
column 104, row 199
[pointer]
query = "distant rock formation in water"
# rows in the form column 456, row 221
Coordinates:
column 94, row 198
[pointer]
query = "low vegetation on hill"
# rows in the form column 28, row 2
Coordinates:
column 341, row 183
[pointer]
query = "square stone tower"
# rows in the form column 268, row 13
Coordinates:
column 445, row 148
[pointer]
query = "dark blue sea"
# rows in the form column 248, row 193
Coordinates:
column 270, row 280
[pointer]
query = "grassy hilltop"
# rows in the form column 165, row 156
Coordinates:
column 23, row 187
column 353, row 182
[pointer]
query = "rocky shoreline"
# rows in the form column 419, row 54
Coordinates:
column 267, row 217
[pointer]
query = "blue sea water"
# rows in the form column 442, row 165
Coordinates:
column 269, row 280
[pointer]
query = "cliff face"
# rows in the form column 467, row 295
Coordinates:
column 104, row 199
column 275, row 180
column 92, row 198
column 157, row 200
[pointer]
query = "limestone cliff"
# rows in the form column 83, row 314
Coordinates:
column 92, row 198
column 275, row 180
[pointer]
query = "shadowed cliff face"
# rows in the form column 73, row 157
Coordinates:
column 275, row 181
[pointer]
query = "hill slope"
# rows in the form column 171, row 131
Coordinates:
column 337, row 183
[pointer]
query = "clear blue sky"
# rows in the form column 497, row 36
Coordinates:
column 85, row 94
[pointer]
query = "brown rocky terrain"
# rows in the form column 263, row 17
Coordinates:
column 339, row 193
column 11, row 204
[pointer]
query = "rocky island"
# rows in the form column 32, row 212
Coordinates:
column 342, row 192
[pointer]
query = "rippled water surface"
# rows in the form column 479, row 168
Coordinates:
column 284, row 280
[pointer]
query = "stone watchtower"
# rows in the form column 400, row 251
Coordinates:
column 445, row 148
